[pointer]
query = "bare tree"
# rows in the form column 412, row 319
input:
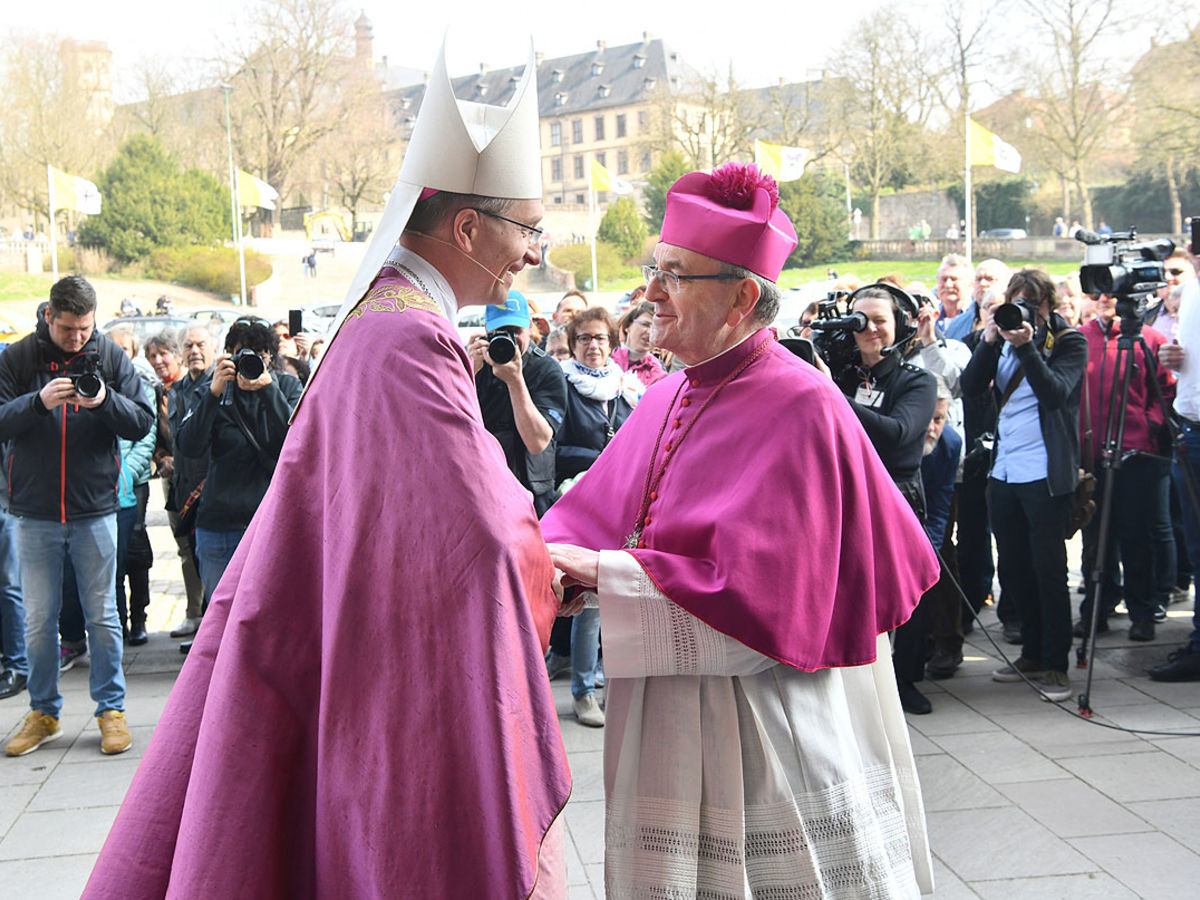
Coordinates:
column 886, row 101
column 713, row 123
column 1166, row 109
column 361, row 159
column 53, row 113
column 282, row 74
column 1074, row 104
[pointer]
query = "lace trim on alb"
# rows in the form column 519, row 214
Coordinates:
column 674, row 642
column 847, row 842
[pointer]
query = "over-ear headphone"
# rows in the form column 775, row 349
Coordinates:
column 904, row 309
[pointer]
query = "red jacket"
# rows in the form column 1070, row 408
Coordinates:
column 1144, row 416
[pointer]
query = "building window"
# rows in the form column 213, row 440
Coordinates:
column 578, row 167
column 603, row 91
column 599, row 128
column 622, row 162
column 639, row 61
column 556, row 76
column 597, row 68
column 643, row 121
column 556, row 169
column 621, row 125
column 556, row 134
column 646, row 161
column 560, row 99
column 602, row 158
column 577, row 131
column 557, row 199
column 580, row 199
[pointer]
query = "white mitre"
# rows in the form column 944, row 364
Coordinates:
column 460, row 146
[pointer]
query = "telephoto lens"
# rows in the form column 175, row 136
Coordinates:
column 249, row 364
column 501, row 347
column 1009, row 316
column 87, row 385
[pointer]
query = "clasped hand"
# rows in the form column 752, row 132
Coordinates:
column 575, row 566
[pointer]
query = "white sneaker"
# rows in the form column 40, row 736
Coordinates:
column 185, row 628
column 588, row 711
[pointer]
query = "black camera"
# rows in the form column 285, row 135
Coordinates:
column 1009, row 316
column 833, row 334
column 84, row 372
column 1117, row 265
column 249, row 364
column 502, row 347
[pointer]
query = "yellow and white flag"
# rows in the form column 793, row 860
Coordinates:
column 781, row 162
column 73, row 192
column 255, row 192
column 989, row 150
column 602, row 180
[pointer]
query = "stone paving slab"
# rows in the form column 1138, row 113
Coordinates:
column 1025, row 799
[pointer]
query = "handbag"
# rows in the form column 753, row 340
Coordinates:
column 1084, row 502
column 185, row 524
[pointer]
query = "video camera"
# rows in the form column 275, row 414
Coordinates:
column 501, row 346
column 1117, row 265
column 833, row 333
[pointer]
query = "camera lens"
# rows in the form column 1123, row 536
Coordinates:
column 501, row 347
column 87, row 385
column 249, row 364
column 1008, row 316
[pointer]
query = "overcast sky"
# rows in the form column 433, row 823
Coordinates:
column 775, row 41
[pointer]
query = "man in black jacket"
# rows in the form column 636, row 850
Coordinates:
column 67, row 393
column 185, row 473
column 240, row 423
column 1035, row 372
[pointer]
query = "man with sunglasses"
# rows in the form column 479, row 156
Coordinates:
column 749, row 553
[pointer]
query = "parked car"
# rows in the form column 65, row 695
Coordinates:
column 11, row 330
column 147, row 326
column 794, row 301
column 471, row 320
column 1005, row 234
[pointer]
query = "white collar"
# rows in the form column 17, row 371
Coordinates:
column 432, row 280
column 727, row 349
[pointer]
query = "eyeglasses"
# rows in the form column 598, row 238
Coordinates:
column 670, row 281
column 585, row 338
column 532, row 235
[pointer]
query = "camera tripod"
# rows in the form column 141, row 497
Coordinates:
column 1111, row 458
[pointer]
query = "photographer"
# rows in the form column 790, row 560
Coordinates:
column 67, row 394
column 241, row 423
column 1141, row 482
column 1035, row 368
column 895, row 403
column 522, row 400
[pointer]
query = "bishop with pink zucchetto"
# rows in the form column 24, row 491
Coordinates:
column 748, row 553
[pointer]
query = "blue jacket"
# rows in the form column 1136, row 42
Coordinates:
column 135, row 460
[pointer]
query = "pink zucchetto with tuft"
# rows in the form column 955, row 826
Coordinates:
column 731, row 214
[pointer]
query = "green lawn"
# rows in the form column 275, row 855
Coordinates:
column 19, row 287
column 907, row 269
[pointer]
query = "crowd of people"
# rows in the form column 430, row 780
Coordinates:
column 369, row 573
column 215, row 432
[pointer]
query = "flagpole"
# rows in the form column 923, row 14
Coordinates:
column 849, row 206
column 235, row 220
column 592, row 220
column 240, row 247
column 50, row 229
column 970, row 229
